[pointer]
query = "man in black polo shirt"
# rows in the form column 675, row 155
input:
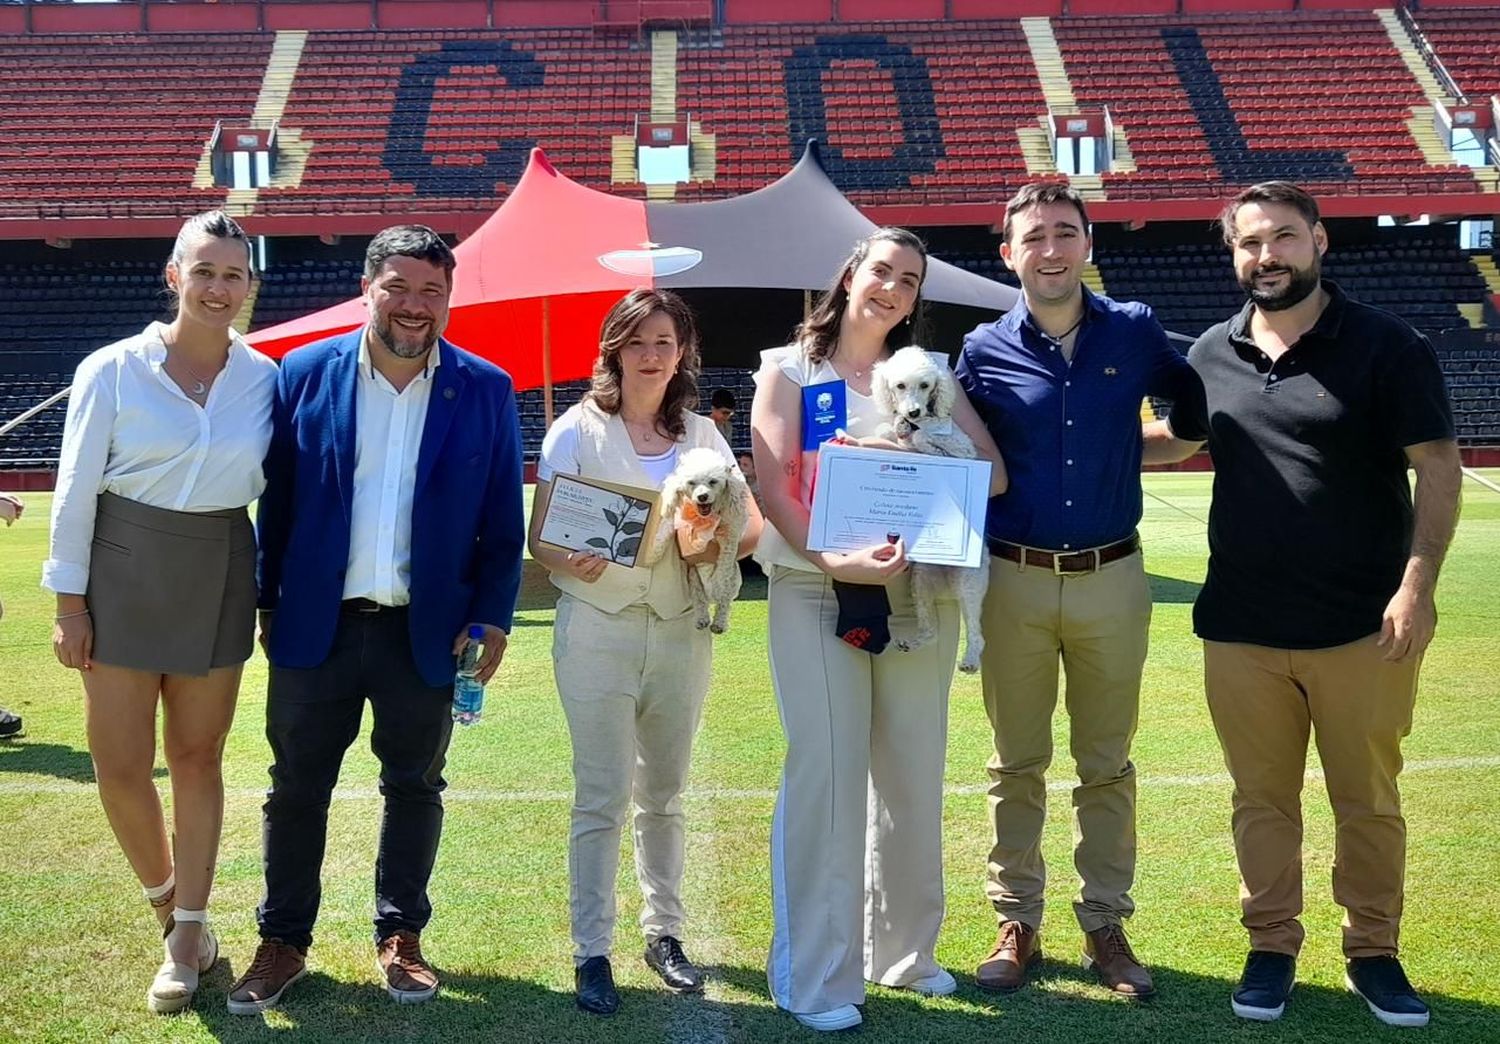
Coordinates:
column 1319, row 597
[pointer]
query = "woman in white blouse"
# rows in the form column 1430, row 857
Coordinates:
column 632, row 669
column 856, row 840
column 152, row 561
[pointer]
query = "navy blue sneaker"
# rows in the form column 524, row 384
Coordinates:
column 1385, row 988
column 10, row 724
column 1265, row 985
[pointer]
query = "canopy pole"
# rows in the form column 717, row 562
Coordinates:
column 547, row 359
column 806, row 304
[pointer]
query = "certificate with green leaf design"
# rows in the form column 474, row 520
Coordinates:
column 607, row 518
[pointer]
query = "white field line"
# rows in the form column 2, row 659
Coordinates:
column 1061, row 784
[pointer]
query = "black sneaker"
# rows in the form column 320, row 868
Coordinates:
column 1385, row 988
column 664, row 956
column 10, row 724
column 1265, row 985
column 594, row 986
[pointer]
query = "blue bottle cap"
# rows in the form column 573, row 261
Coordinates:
column 476, row 633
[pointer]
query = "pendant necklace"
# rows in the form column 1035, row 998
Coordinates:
column 200, row 387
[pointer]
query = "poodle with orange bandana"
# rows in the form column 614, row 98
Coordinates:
column 704, row 499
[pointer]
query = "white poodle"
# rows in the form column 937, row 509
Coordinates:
column 916, row 392
column 704, row 499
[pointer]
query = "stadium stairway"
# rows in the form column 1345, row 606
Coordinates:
column 1057, row 90
column 664, row 49
column 1490, row 272
column 270, row 104
column 1420, row 123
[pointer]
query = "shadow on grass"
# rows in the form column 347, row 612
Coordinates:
column 1062, row 1004
column 52, row 759
column 1170, row 590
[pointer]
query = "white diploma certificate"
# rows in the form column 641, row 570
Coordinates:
column 607, row 518
column 937, row 504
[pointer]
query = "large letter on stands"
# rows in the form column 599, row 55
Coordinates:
column 921, row 143
column 405, row 156
column 1238, row 162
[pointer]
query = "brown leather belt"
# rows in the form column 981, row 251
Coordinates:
column 1067, row 563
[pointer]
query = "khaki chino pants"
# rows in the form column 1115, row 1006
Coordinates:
column 1357, row 707
column 1096, row 626
column 632, row 688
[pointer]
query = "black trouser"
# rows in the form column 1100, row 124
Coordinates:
column 312, row 716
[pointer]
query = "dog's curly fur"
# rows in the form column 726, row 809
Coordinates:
column 917, row 394
column 704, row 483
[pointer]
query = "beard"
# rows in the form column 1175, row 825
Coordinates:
column 404, row 344
column 1300, row 283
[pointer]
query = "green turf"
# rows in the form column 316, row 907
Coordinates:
column 81, row 948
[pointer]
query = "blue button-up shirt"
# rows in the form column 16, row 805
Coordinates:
column 1070, row 434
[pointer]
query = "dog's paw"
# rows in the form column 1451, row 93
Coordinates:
column 969, row 667
column 717, row 628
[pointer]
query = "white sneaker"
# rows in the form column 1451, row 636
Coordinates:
column 845, row 1016
column 939, row 984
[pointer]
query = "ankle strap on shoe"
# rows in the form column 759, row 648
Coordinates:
column 193, row 916
column 161, row 895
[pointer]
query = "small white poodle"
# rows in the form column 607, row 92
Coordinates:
column 917, row 392
column 704, row 499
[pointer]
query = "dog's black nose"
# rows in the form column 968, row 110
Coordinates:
column 914, row 413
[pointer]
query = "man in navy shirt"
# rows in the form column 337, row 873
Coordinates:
column 1321, row 572
column 1059, row 382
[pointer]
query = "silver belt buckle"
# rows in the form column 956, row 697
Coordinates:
column 1058, row 570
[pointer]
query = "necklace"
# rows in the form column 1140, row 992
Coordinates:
column 1066, row 333
column 201, row 383
column 647, row 434
column 860, row 373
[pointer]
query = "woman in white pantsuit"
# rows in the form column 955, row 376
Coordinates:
column 856, row 843
column 632, row 668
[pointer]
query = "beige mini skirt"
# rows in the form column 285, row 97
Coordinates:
column 171, row 592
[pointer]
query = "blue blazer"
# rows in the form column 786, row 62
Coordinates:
column 467, row 529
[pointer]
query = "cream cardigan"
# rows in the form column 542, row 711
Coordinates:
column 605, row 452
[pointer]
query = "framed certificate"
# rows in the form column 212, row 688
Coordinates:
column 609, row 519
column 936, row 504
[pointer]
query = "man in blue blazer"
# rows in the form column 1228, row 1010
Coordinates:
column 390, row 524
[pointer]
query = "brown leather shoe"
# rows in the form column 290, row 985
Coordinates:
column 276, row 966
column 1107, row 951
column 409, row 979
column 1018, row 948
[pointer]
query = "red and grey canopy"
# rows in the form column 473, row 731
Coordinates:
column 534, row 281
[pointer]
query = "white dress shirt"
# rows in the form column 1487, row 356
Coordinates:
column 132, row 431
column 387, row 439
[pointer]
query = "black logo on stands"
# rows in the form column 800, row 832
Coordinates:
column 405, row 156
column 921, row 143
column 1238, row 162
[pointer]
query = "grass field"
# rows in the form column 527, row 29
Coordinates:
column 81, row 946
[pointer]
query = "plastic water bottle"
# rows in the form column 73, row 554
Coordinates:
column 468, row 690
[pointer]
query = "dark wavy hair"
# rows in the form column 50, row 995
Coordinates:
column 417, row 241
column 619, row 324
column 1283, row 192
column 818, row 334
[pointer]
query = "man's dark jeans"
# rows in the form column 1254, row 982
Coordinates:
column 312, row 716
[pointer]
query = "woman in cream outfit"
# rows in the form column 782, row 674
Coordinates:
column 856, row 842
column 632, row 669
column 153, row 565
